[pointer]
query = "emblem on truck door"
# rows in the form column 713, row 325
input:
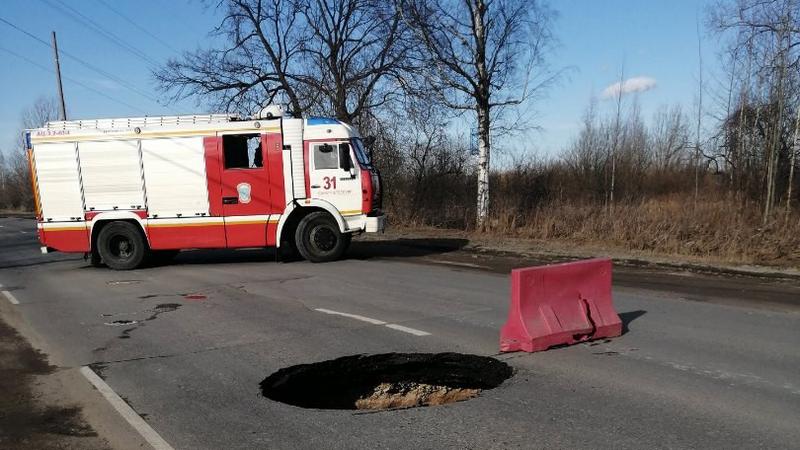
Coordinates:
column 244, row 192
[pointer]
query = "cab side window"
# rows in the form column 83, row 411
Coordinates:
column 326, row 156
column 242, row 151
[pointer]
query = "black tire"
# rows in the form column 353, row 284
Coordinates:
column 122, row 246
column 318, row 238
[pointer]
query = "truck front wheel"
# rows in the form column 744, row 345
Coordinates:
column 318, row 238
column 122, row 246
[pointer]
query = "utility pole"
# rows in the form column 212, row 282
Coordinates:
column 63, row 111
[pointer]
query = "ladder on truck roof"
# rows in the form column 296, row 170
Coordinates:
column 131, row 122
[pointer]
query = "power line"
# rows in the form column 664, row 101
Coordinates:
column 88, row 65
column 72, row 80
column 103, row 31
column 139, row 27
column 79, row 17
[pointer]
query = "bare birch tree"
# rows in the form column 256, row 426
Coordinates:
column 482, row 56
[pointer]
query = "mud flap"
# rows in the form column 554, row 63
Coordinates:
column 560, row 304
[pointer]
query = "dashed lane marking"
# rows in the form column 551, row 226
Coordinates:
column 457, row 263
column 352, row 316
column 127, row 413
column 409, row 330
column 10, row 297
column 393, row 326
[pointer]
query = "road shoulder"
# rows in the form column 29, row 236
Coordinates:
column 761, row 287
column 48, row 405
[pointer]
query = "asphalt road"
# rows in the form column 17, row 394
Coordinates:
column 693, row 370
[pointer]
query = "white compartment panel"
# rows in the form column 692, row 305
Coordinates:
column 293, row 136
column 175, row 176
column 59, row 182
column 112, row 175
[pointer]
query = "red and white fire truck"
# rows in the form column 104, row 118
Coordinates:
column 122, row 190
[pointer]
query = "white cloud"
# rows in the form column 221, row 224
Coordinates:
column 635, row 84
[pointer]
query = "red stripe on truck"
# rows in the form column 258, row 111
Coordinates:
column 72, row 240
column 272, row 234
column 274, row 151
column 183, row 236
column 213, row 175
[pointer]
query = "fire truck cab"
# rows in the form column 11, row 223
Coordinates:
column 124, row 190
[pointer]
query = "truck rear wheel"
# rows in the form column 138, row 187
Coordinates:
column 318, row 238
column 122, row 246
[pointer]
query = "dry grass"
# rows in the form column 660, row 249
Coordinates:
column 721, row 230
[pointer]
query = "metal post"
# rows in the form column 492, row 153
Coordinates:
column 63, row 110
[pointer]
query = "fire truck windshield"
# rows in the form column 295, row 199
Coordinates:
column 361, row 154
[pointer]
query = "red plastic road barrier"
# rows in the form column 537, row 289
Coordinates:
column 560, row 304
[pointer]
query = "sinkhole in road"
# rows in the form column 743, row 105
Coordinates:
column 386, row 381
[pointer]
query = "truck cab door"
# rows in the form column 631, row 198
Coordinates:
column 245, row 190
column 333, row 177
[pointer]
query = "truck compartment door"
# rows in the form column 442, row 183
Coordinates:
column 246, row 203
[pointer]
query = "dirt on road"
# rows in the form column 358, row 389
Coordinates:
column 410, row 394
column 32, row 413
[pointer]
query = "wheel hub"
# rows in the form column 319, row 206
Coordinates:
column 323, row 238
column 122, row 247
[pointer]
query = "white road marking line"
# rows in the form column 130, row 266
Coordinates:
column 413, row 331
column 393, row 326
column 458, row 264
column 127, row 413
column 352, row 316
column 11, row 297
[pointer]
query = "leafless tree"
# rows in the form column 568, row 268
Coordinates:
column 15, row 181
column 669, row 138
column 699, row 122
column 264, row 43
column 767, row 34
column 335, row 56
column 614, row 148
column 482, row 56
column 355, row 55
column 585, row 159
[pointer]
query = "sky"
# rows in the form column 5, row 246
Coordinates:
column 656, row 41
